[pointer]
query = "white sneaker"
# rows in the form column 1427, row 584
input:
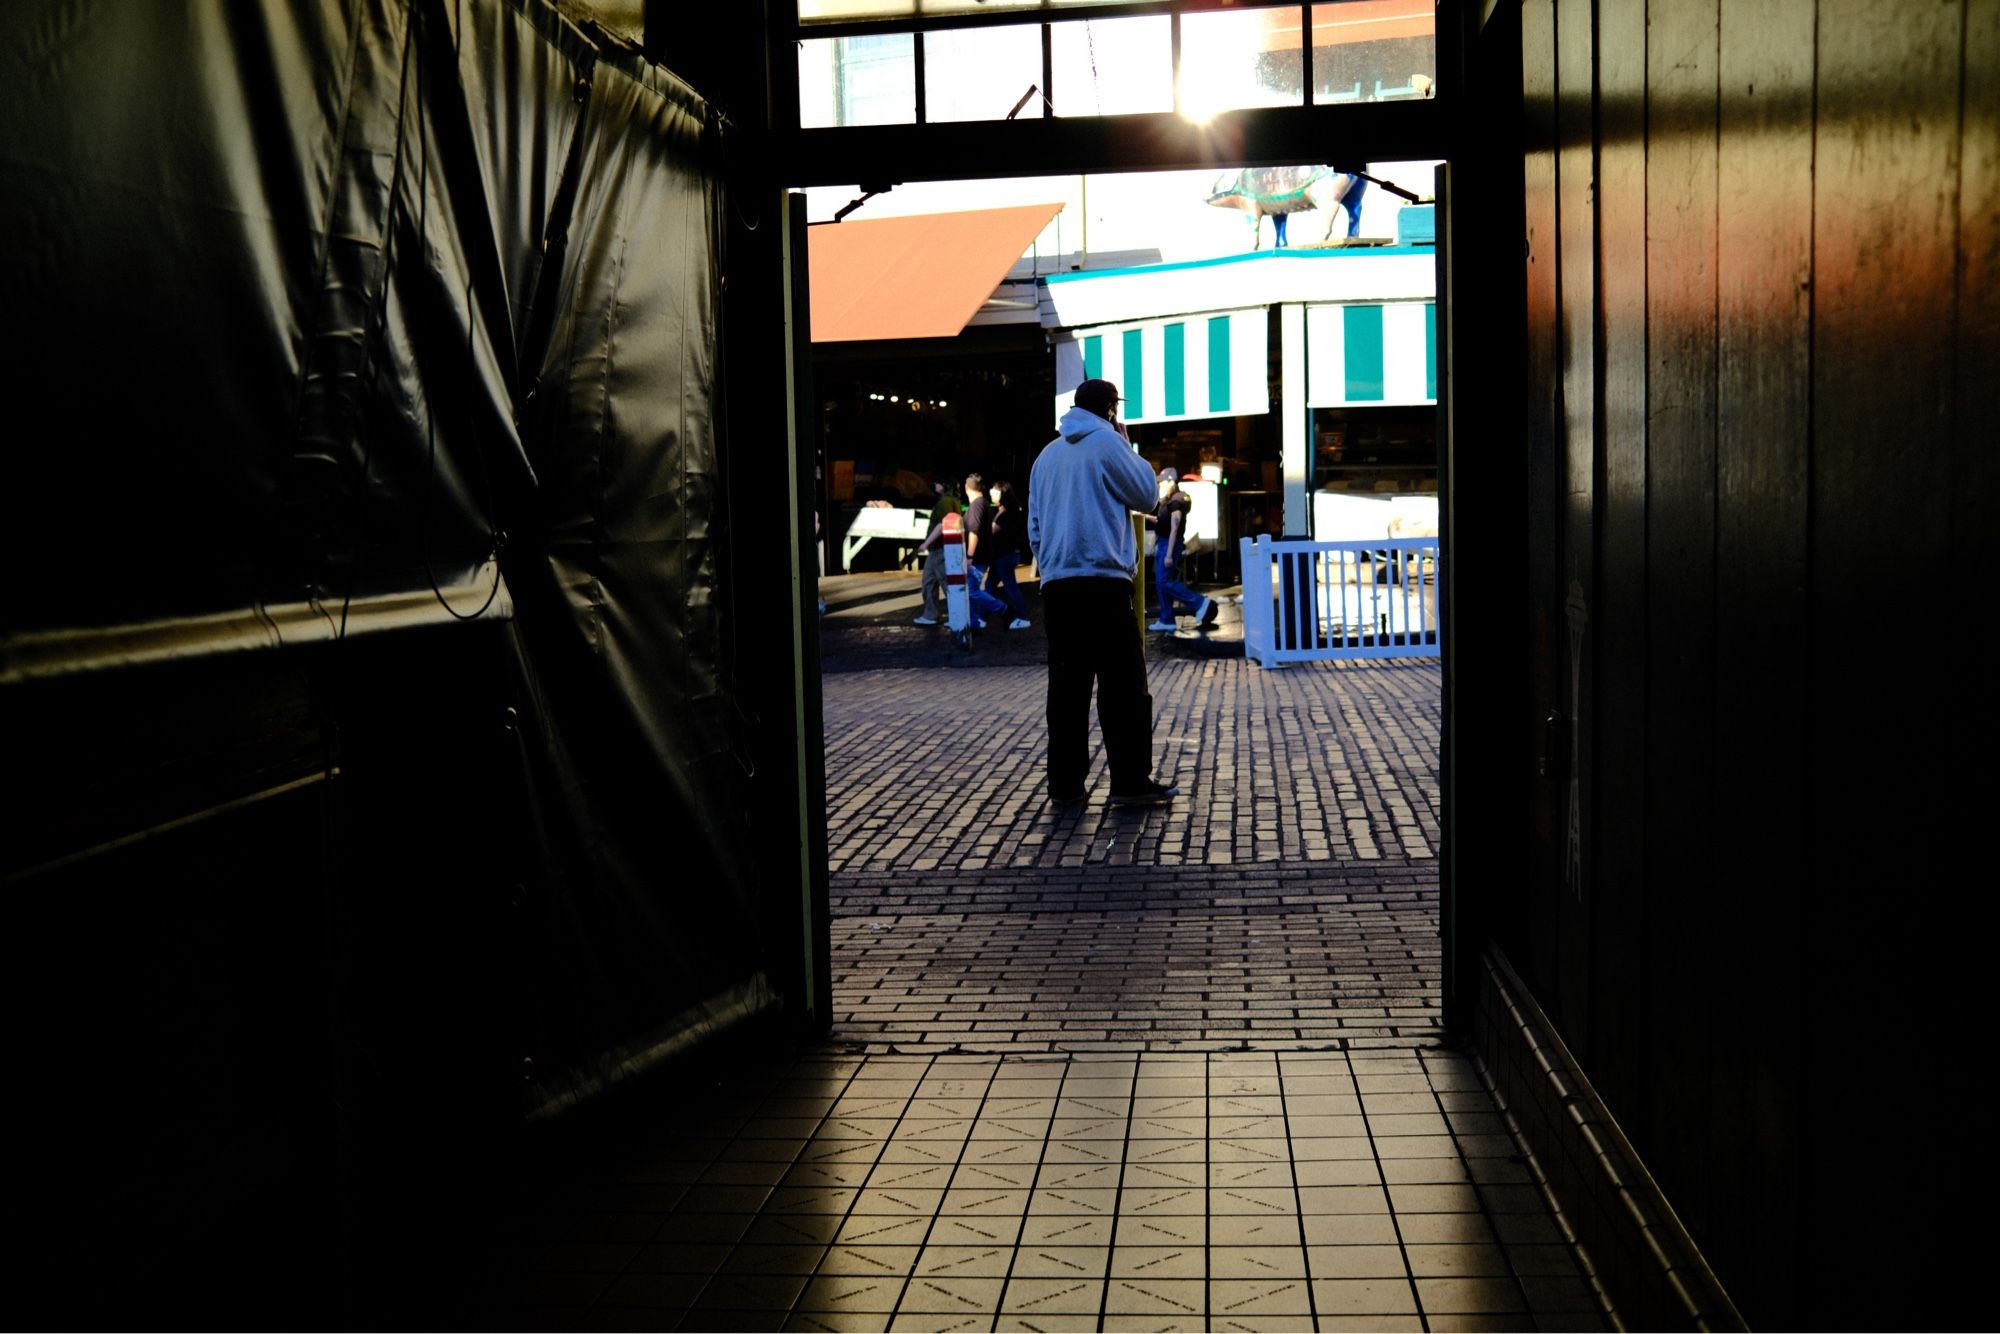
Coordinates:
column 1163, row 627
column 1018, row 623
column 925, row 620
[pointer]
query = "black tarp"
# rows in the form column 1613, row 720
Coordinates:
column 346, row 321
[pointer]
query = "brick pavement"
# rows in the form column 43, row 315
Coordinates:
column 1320, row 762
column 1288, row 898
column 1032, row 960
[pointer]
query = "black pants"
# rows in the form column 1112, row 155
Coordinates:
column 1093, row 638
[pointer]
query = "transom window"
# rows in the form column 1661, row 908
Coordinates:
column 902, row 62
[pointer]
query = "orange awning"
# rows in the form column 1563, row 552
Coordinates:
column 1354, row 21
column 919, row 277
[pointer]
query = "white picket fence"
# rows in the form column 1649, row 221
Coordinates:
column 1318, row 601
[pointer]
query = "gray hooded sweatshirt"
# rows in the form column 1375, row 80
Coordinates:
column 1085, row 485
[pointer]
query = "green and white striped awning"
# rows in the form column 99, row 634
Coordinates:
column 1377, row 355
column 1178, row 369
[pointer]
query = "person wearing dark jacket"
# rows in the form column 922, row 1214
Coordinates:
column 1170, row 523
column 1087, row 484
column 1007, row 534
column 978, row 532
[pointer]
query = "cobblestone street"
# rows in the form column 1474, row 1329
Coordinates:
column 1286, row 899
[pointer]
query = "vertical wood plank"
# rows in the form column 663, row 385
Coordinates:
column 1763, row 423
column 1975, row 420
column 1545, row 647
column 1680, row 579
column 1619, row 615
column 1576, row 441
column 1977, row 380
column 1886, row 213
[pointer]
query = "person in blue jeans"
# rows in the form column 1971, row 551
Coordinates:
column 978, row 537
column 1170, row 521
column 1008, row 533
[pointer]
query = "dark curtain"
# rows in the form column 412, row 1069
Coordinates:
column 370, row 346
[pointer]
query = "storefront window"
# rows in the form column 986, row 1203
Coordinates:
column 858, row 81
column 1240, row 58
column 1113, row 67
column 982, row 73
column 1375, row 449
column 1373, row 50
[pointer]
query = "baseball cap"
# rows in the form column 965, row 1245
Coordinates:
column 1098, row 396
column 1169, row 475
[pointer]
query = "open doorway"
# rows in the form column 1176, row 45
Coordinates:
column 1290, row 896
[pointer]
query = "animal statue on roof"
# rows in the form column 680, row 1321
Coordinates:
column 1278, row 192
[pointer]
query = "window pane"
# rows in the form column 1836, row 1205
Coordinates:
column 1114, row 67
column 1244, row 58
column 1374, row 50
column 980, row 73
column 858, row 81
column 828, row 11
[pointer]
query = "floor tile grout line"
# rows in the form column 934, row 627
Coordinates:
column 957, row 1162
column 736, row 1244
column 1034, row 1184
column 1298, row 1201
column 860, row 1070
column 1118, row 1198
column 848, row 1213
column 1382, row 1175
column 1478, row 1192
column 1207, row 1182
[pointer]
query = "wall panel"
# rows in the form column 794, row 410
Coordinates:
column 1763, row 269
column 1762, row 385
column 1618, row 625
column 1576, row 195
column 1679, row 588
column 1885, row 284
column 1538, row 495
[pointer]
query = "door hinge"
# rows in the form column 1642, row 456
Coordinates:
column 1555, row 746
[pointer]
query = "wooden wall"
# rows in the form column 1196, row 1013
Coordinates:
column 1760, row 363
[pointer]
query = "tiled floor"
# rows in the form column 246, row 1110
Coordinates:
column 1145, row 1191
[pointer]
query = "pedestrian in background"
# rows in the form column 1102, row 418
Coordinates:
column 1087, row 483
column 932, row 552
column 978, row 533
column 1170, row 520
column 1008, row 533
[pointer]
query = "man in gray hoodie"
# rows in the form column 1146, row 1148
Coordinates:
column 1085, row 486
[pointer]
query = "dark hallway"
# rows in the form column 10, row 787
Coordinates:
column 410, row 690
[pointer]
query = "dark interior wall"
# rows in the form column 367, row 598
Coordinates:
column 1760, row 351
column 342, row 857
